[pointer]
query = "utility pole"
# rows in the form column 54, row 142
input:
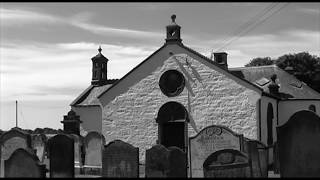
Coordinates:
column 16, row 113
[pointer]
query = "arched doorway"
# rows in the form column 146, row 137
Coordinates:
column 172, row 122
column 270, row 124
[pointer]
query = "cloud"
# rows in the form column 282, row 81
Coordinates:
column 11, row 17
column 274, row 45
column 310, row 11
column 49, row 71
column 18, row 17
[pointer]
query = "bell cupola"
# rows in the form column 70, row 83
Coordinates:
column 173, row 31
column 99, row 69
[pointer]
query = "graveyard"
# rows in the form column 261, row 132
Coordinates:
column 215, row 151
column 176, row 114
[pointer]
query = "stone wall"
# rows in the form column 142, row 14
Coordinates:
column 209, row 96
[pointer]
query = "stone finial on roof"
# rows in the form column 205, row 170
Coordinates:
column 173, row 31
column 99, row 49
column 274, row 87
column 173, row 18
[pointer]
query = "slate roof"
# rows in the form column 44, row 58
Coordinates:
column 89, row 97
column 260, row 76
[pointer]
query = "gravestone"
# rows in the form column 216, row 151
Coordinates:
column 77, row 149
column 38, row 142
column 93, row 144
column 258, row 154
column 157, row 164
column 208, row 141
column 299, row 145
column 165, row 162
column 227, row 163
column 11, row 141
column 24, row 164
column 120, row 159
column 177, row 162
column 61, row 154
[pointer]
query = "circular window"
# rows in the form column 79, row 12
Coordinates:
column 171, row 83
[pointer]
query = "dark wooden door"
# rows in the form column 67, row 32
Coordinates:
column 173, row 134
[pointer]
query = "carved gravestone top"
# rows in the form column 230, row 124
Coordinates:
column 227, row 163
column 12, row 140
column 61, row 150
column 208, row 141
column 38, row 142
column 94, row 143
column 23, row 163
column 299, row 145
column 120, row 159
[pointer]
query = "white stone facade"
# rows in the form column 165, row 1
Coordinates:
column 209, row 96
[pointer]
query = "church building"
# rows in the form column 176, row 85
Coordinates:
column 176, row 92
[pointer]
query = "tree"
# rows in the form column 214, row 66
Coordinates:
column 304, row 66
column 260, row 62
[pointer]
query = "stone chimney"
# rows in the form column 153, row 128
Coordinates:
column 71, row 123
column 221, row 59
column 274, row 87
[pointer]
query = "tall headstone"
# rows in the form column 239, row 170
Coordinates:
column 157, row 164
column 227, row 163
column 177, row 163
column 208, row 141
column 299, row 145
column 61, row 154
column 258, row 154
column 25, row 164
column 11, row 141
column 38, row 142
column 120, row 159
column 165, row 162
column 94, row 144
column 77, row 149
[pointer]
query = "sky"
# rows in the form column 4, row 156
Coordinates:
column 46, row 48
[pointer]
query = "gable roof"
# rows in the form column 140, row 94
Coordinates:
column 290, row 85
column 194, row 53
column 89, row 96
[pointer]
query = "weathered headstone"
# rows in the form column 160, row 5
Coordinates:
column 38, row 143
column 208, row 141
column 258, row 154
column 61, row 150
column 165, row 162
column 23, row 163
column 177, row 162
column 157, row 164
column 11, row 141
column 120, row 159
column 299, row 145
column 276, row 163
column 77, row 149
column 94, row 144
column 227, row 163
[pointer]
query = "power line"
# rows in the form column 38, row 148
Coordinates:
column 252, row 27
column 250, row 21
